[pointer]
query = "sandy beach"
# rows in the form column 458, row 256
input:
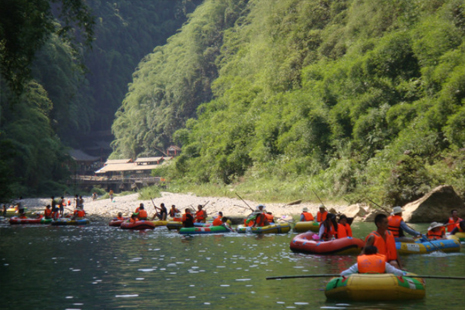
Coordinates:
column 106, row 209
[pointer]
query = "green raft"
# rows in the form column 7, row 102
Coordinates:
column 204, row 230
column 270, row 229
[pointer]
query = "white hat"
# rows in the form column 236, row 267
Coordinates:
column 396, row 210
column 322, row 206
column 435, row 225
column 305, row 209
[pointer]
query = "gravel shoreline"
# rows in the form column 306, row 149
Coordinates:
column 104, row 208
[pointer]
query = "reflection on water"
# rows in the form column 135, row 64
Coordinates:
column 97, row 266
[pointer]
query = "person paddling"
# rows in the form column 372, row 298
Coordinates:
column 372, row 262
column 397, row 226
column 383, row 239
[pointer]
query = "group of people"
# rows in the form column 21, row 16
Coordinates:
column 259, row 218
column 56, row 208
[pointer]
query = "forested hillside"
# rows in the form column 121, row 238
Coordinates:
column 349, row 98
column 61, row 101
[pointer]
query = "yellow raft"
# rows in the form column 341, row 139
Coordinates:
column 277, row 228
column 306, row 226
column 375, row 287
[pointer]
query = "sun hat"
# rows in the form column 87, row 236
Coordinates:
column 322, row 207
column 435, row 225
column 304, row 209
column 397, row 210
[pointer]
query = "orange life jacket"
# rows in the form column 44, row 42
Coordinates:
column 81, row 213
column 137, row 210
column 250, row 223
column 308, row 217
column 172, row 212
column 394, row 225
column 343, row 231
column 260, row 220
column 217, row 221
column 269, row 217
column 458, row 227
column 375, row 263
column 435, row 234
column 320, row 217
column 452, row 224
column 200, row 216
column 387, row 247
column 120, row 218
column 131, row 220
column 142, row 215
column 48, row 213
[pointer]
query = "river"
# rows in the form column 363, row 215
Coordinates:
column 102, row 267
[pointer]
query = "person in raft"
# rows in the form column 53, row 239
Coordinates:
column 269, row 217
column 200, row 215
column 321, row 214
column 162, row 213
column 187, row 219
column 48, row 212
column 328, row 228
column 120, row 216
column 383, row 239
column 452, row 221
column 78, row 214
column 173, row 211
column 436, row 231
column 226, row 223
column 372, row 262
column 142, row 215
column 459, row 227
column 133, row 218
column 343, row 228
column 218, row 220
column 260, row 219
column 306, row 216
column 397, row 226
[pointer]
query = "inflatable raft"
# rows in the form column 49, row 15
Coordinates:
column 115, row 222
column 461, row 236
column 270, row 229
column 375, row 287
column 304, row 243
column 451, row 244
column 68, row 221
column 204, row 230
column 306, row 226
column 139, row 225
column 40, row 220
column 174, row 225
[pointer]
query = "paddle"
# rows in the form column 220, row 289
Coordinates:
column 244, row 202
column 338, row 275
column 318, row 197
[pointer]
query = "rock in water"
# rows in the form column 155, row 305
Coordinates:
column 434, row 206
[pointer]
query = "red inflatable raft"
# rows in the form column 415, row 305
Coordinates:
column 139, row 225
column 38, row 220
column 116, row 222
column 304, row 243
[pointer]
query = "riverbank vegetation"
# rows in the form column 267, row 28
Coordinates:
column 348, row 98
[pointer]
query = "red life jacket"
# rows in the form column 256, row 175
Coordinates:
column 81, row 213
column 375, row 263
column 388, row 247
column 394, row 225
column 452, row 224
column 320, row 217
column 308, row 217
column 120, row 218
column 48, row 213
column 217, row 221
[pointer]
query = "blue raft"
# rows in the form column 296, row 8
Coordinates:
column 451, row 244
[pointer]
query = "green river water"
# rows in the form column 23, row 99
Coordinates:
column 102, row 267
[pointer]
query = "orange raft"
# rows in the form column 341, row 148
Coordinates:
column 304, row 243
